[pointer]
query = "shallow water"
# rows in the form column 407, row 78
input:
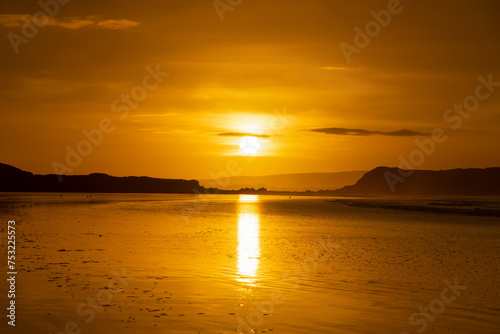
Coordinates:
column 145, row 263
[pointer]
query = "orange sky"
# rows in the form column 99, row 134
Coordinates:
column 270, row 68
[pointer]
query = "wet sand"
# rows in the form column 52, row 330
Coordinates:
column 146, row 264
column 479, row 206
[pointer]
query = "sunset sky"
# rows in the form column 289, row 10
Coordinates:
column 272, row 69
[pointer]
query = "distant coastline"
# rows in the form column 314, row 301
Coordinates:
column 377, row 182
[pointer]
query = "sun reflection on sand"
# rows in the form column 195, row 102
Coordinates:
column 248, row 238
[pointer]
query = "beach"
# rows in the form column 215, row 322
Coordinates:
column 167, row 263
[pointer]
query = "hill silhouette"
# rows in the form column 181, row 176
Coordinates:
column 288, row 182
column 379, row 181
column 453, row 182
column 15, row 180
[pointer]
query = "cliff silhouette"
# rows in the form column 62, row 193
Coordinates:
column 453, row 182
column 15, row 180
column 377, row 182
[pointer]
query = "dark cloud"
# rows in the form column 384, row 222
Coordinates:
column 18, row 20
column 240, row 134
column 363, row 132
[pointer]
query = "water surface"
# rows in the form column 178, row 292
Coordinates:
column 147, row 263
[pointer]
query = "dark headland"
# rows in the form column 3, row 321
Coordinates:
column 381, row 181
column 384, row 181
column 15, row 180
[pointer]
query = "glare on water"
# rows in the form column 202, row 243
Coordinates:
column 248, row 238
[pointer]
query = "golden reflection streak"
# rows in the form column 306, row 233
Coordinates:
column 248, row 199
column 248, row 239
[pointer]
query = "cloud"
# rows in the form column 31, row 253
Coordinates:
column 73, row 23
column 240, row 134
column 334, row 68
column 363, row 132
column 340, row 68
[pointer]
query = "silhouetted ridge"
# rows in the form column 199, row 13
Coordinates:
column 8, row 170
column 396, row 181
column 379, row 181
column 15, row 180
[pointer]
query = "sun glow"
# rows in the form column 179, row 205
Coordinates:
column 250, row 145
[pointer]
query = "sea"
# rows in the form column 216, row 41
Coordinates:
column 177, row 263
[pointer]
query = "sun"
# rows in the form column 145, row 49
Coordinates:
column 250, row 145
